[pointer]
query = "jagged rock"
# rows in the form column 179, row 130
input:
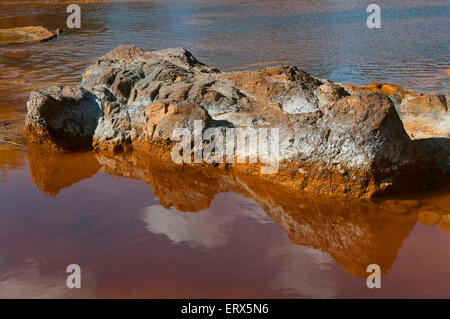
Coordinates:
column 331, row 141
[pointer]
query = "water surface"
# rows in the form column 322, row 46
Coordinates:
column 140, row 228
column 328, row 38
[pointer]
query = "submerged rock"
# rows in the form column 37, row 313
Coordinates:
column 332, row 140
column 25, row 34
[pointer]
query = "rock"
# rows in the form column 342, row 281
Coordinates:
column 423, row 115
column 331, row 141
column 428, row 218
column 25, row 34
column 62, row 117
column 432, row 105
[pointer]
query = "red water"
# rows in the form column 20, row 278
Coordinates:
column 329, row 39
column 139, row 228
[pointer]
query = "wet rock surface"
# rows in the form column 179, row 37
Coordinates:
column 333, row 139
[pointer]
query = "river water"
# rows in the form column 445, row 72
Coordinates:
column 150, row 230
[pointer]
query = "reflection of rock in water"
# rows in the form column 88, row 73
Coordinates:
column 187, row 188
column 355, row 233
column 52, row 172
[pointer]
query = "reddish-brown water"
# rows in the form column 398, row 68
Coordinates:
column 327, row 38
column 139, row 228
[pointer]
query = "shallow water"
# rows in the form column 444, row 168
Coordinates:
column 139, row 228
column 328, row 38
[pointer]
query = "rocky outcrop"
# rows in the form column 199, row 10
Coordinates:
column 332, row 140
column 423, row 115
column 25, row 34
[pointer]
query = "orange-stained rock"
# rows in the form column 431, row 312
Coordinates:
column 423, row 115
column 330, row 141
column 384, row 88
column 428, row 217
column 25, row 34
column 433, row 105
